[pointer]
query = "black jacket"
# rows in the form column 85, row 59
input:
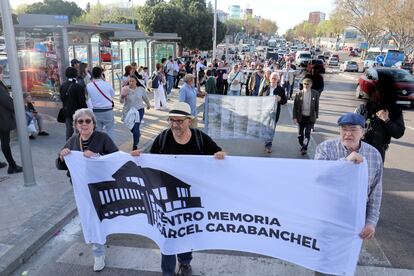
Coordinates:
column 280, row 92
column 298, row 105
column 100, row 143
column 378, row 133
column 7, row 119
column 73, row 97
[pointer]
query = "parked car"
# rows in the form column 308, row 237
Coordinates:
column 333, row 61
column 353, row 54
column 335, row 56
column 403, row 84
column 317, row 64
column 326, row 54
column 349, row 65
column 322, row 57
column 408, row 66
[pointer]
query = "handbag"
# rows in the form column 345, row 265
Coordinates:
column 61, row 116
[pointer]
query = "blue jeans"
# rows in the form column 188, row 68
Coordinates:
column 168, row 262
column 105, row 122
column 98, row 249
column 170, row 84
column 233, row 93
column 136, row 132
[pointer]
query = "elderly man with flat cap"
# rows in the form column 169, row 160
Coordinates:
column 179, row 138
column 350, row 147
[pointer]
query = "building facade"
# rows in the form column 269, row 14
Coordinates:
column 316, row 17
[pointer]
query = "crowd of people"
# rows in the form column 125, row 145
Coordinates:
column 88, row 103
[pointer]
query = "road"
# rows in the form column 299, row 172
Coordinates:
column 66, row 253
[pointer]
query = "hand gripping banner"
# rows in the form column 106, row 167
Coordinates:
column 306, row 212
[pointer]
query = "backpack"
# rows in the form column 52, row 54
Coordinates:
column 155, row 81
column 198, row 137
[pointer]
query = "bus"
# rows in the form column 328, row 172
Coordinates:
column 371, row 55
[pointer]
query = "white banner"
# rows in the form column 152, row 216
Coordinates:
column 303, row 211
column 251, row 117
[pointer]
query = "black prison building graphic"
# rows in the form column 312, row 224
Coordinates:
column 140, row 190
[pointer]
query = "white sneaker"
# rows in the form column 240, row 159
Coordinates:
column 99, row 263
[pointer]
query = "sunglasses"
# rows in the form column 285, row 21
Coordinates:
column 177, row 121
column 86, row 121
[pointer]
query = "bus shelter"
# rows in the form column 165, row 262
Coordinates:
column 47, row 43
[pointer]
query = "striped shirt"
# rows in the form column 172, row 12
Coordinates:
column 335, row 150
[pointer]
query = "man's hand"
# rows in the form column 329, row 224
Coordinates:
column 235, row 82
column 383, row 115
column 63, row 153
column 135, row 153
column 295, row 121
column 355, row 157
column 367, row 232
column 220, row 155
column 278, row 98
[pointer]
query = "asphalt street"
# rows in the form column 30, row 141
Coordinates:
column 66, row 253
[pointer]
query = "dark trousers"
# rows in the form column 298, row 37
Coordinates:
column 305, row 127
column 136, row 132
column 226, row 87
column 69, row 128
column 5, row 147
column 168, row 262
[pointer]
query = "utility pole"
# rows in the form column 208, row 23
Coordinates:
column 215, row 30
column 25, row 152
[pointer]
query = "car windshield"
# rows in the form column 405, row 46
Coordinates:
column 318, row 61
column 305, row 56
column 398, row 75
column 352, row 63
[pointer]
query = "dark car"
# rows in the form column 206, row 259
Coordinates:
column 403, row 84
column 408, row 66
column 318, row 64
column 353, row 54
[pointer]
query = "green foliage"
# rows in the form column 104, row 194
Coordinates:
column 251, row 26
column 190, row 19
column 59, row 7
column 99, row 14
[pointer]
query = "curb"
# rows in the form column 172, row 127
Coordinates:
column 34, row 233
column 37, row 231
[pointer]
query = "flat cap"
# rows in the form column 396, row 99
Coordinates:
column 351, row 119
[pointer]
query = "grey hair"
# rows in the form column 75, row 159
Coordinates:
column 188, row 77
column 83, row 111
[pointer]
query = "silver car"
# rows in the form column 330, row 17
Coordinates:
column 349, row 66
column 333, row 61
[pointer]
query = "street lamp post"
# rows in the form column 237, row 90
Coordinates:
column 26, row 154
column 215, row 30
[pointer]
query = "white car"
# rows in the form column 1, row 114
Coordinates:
column 333, row 61
column 349, row 65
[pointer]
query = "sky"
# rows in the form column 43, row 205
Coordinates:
column 286, row 13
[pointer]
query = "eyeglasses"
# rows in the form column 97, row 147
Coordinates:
column 350, row 128
column 86, row 121
column 177, row 121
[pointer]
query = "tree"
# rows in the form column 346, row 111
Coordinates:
column 234, row 26
column 363, row 15
column 267, row 26
column 190, row 19
column 399, row 22
column 99, row 14
column 60, row 7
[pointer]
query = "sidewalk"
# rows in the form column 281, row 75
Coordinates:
column 30, row 216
